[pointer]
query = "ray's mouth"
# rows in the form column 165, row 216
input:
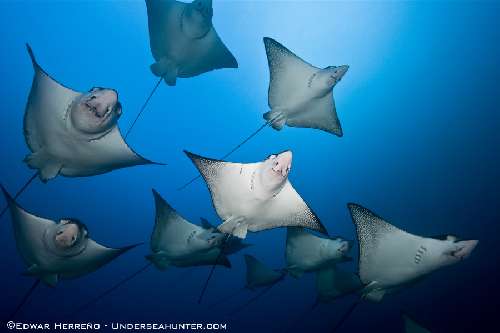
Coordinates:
column 279, row 170
column 345, row 247
column 335, row 79
column 464, row 250
column 102, row 116
column 460, row 253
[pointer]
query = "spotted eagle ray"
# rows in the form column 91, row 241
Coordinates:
column 175, row 242
column 71, row 133
column 183, row 42
column 306, row 252
column 254, row 196
column 55, row 250
column 391, row 259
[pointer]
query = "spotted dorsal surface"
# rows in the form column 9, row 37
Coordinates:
column 300, row 94
column 391, row 258
column 73, row 133
column 255, row 196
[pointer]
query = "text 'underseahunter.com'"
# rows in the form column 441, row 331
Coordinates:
column 130, row 327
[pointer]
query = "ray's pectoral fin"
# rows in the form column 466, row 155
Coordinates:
column 167, row 69
column 49, row 279
column 235, row 227
column 294, row 272
column 276, row 117
column 48, row 168
column 321, row 114
column 159, row 259
column 373, row 293
column 224, row 261
column 241, row 231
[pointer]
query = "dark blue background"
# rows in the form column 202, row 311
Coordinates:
column 420, row 112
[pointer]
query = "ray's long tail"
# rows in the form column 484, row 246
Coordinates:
column 21, row 190
column 346, row 315
column 270, row 121
column 300, row 318
column 253, row 299
column 212, row 269
column 143, row 108
column 228, row 297
column 24, row 300
column 109, row 291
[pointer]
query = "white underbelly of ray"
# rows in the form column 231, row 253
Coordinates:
column 397, row 263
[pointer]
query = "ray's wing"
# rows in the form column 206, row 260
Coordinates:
column 287, row 209
column 206, row 258
column 259, row 274
column 44, row 118
column 411, row 326
column 192, row 56
column 386, row 253
column 28, row 232
column 164, row 25
column 300, row 244
column 171, row 230
column 229, row 185
column 227, row 182
column 207, row 225
column 107, row 153
column 58, row 149
column 332, row 283
column 289, row 74
column 320, row 113
column 91, row 259
column 206, row 54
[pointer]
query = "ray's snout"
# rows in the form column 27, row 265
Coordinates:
column 103, row 101
column 283, row 163
column 345, row 246
column 341, row 70
column 465, row 249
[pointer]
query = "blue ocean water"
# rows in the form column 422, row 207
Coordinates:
column 419, row 108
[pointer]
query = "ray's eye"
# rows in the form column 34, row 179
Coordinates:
column 59, row 232
column 73, row 239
